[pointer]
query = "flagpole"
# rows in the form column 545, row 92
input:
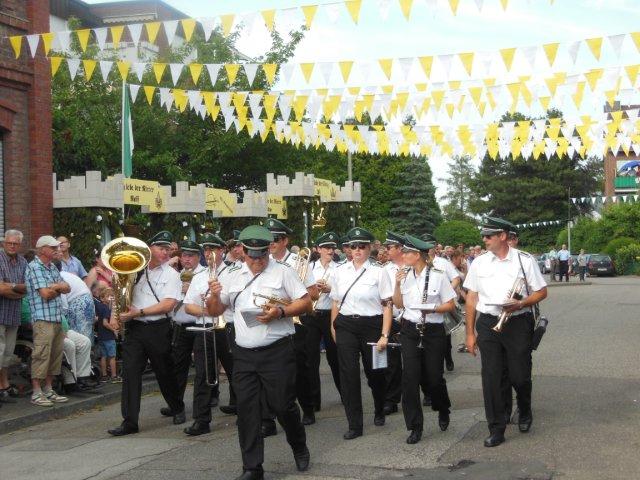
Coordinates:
column 122, row 127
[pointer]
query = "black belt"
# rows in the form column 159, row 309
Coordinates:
column 193, row 324
column 288, row 338
column 324, row 312
column 362, row 317
column 512, row 316
column 161, row 321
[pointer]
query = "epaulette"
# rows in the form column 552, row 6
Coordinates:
column 375, row 263
column 283, row 263
column 234, row 268
column 339, row 264
column 433, row 269
column 524, row 254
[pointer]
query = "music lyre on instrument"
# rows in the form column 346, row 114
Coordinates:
column 211, row 261
column 125, row 257
column 514, row 294
column 423, row 321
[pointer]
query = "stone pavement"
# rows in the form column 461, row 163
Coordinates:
column 585, row 415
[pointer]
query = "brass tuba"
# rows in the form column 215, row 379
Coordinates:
column 124, row 256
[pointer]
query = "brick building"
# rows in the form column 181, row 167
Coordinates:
column 26, row 196
column 616, row 183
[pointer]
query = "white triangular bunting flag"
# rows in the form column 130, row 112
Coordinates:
column 287, row 71
column 213, row 69
column 33, row 41
column 73, row 64
column 250, row 70
column 326, row 69
column 224, row 99
column 138, row 69
column 333, row 11
column 574, row 200
column 101, row 37
column 105, row 68
column 208, row 24
column 616, row 43
column 445, row 61
column 133, row 89
column 405, row 66
column 64, row 40
column 135, row 29
column 624, row 198
column 573, row 50
column 170, row 27
column 195, row 98
column 176, row 71
column 383, row 8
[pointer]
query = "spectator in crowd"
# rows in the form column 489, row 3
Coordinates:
column 448, row 252
column 439, row 250
column 99, row 274
column 553, row 259
column 12, row 290
column 106, row 336
column 563, row 262
column 80, row 307
column 295, row 249
column 582, row 264
column 44, row 288
column 77, row 350
column 383, row 255
column 70, row 263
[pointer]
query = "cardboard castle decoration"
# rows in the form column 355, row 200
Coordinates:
column 90, row 190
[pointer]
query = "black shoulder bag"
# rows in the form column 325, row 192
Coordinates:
column 541, row 321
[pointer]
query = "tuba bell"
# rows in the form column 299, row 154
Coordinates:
column 124, row 256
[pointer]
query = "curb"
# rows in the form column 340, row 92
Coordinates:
column 568, row 284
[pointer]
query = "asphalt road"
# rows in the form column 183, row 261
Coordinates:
column 586, row 393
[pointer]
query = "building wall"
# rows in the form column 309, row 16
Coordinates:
column 25, row 123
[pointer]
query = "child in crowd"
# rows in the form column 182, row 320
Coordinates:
column 106, row 335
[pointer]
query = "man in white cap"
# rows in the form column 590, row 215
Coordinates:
column 44, row 287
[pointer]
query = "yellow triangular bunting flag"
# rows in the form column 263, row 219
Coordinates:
column 309, row 12
column 123, row 68
column 55, row 65
column 454, row 6
column 426, row 63
column 188, row 26
column 152, row 31
column 345, row 69
column 405, row 6
column 386, row 64
column 467, row 61
column 307, row 70
column 632, row 73
column 595, row 45
column 504, row 4
column 507, row 57
column 227, row 23
column 196, row 70
column 158, row 70
column 269, row 17
column 635, row 36
column 47, row 40
column 551, row 50
column 16, row 44
column 148, row 92
column 353, row 7
column 116, row 35
column 232, row 71
column 270, row 71
column 83, row 38
column 89, row 68
column 593, row 76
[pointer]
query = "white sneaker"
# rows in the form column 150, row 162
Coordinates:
column 41, row 400
column 55, row 398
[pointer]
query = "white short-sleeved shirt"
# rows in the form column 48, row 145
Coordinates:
column 276, row 280
column 448, row 267
column 439, row 291
column 493, row 278
column 391, row 269
column 366, row 295
column 200, row 287
column 166, row 284
column 319, row 272
column 180, row 316
column 78, row 287
column 290, row 259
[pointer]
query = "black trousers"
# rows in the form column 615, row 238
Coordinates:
column 393, row 372
column 563, row 267
column 352, row 336
column 150, row 342
column 423, row 363
column 318, row 328
column 184, row 344
column 268, row 372
column 512, row 347
column 223, row 353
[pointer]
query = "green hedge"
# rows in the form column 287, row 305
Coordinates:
column 627, row 260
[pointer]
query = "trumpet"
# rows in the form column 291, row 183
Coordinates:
column 186, row 275
column 514, row 294
column 271, row 300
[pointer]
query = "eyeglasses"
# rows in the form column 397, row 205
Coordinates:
column 358, row 246
column 263, row 253
column 13, row 244
column 489, row 235
column 278, row 238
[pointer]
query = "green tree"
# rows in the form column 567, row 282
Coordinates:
column 459, row 192
column 454, row 232
column 414, row 208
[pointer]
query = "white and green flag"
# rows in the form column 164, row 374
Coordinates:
column 127, row 133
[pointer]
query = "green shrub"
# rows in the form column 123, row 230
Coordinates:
column 627, row 260
column 454, row 232
column 616, row 244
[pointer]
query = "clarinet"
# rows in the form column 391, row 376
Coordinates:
column 423, row 321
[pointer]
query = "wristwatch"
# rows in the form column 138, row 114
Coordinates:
column 385, row 335
column 141, row 312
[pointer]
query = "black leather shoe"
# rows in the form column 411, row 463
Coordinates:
column 269, row 429
column 351, row 434
column 251, row 475
column 449, row 365
column 390, row 408
column 443, row 420
column 414, row 437
column 166, row 412
column 122, row 430
column 494, row 440
column 302, row 460
column 524, row 422
column 179, row 418
column 229, row 409
column 308, row 418
column 378, row 420
column 214, row 402
column 426, row 402
column 198, row 428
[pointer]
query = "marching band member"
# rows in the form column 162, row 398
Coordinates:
column 361, row 314
column 393, row 373
column 423, row 336
column 491, row 278
column 148, row 336
column 279, row 251
column 318, row 323
column 264, row 356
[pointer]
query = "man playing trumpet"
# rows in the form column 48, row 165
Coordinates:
column 491, row 277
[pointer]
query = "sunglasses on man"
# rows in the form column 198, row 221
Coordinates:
column 358, row 246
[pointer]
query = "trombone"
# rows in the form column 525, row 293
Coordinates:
column 211, row 382
column 514, row 294
column 323, row 281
